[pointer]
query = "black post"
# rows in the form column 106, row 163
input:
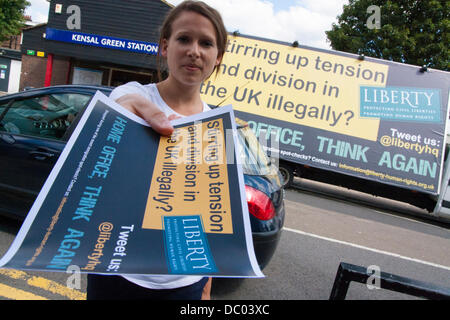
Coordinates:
column 349, row 272
column 341, row 284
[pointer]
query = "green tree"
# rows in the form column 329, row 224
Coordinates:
column 11, row 17
column 410, row 31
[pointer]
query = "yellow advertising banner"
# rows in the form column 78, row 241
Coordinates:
column 190, row 173
column 297, row 85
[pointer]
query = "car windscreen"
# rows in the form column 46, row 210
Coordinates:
column 44, row 116
column 253, row 158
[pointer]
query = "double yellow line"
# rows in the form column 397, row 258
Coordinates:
column 38, row 282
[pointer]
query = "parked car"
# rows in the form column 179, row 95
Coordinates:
column 35, row 125
column 265, row 194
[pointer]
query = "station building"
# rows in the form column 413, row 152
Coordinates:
column 94, row 42
column 11, row 60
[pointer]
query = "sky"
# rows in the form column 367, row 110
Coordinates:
column 304, row 21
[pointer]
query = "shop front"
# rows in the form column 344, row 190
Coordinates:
column 10, row 63
column 88, row 42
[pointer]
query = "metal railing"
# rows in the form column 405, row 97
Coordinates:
column 349, row 272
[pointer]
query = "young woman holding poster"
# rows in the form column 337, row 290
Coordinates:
column 192, row 42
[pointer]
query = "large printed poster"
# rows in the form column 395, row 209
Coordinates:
column 124, row 200
column 365, row 117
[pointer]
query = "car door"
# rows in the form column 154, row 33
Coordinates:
column 32, row 136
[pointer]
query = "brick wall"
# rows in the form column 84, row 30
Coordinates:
column 34, row 68
column 13, row 42
column 33, row 72
column 61, row 66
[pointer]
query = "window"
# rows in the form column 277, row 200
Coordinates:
column 3, row 107
column 46, row 116
column 253, row 158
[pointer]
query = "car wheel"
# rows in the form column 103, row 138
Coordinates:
column 287, row 173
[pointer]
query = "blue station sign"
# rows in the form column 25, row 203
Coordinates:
column 102, row 41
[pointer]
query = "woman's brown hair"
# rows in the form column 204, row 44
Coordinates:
column 205, row 10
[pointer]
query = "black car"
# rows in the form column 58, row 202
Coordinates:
column 36, row 124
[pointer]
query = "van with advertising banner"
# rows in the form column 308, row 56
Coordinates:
column 362, row 123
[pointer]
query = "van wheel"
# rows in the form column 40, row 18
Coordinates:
column 287, row 174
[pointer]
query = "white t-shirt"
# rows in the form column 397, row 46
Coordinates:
column 150, row 91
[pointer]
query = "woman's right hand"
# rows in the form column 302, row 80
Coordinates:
column 147, row 111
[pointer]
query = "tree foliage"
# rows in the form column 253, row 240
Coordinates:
column 411, row 31
column 11, row 17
